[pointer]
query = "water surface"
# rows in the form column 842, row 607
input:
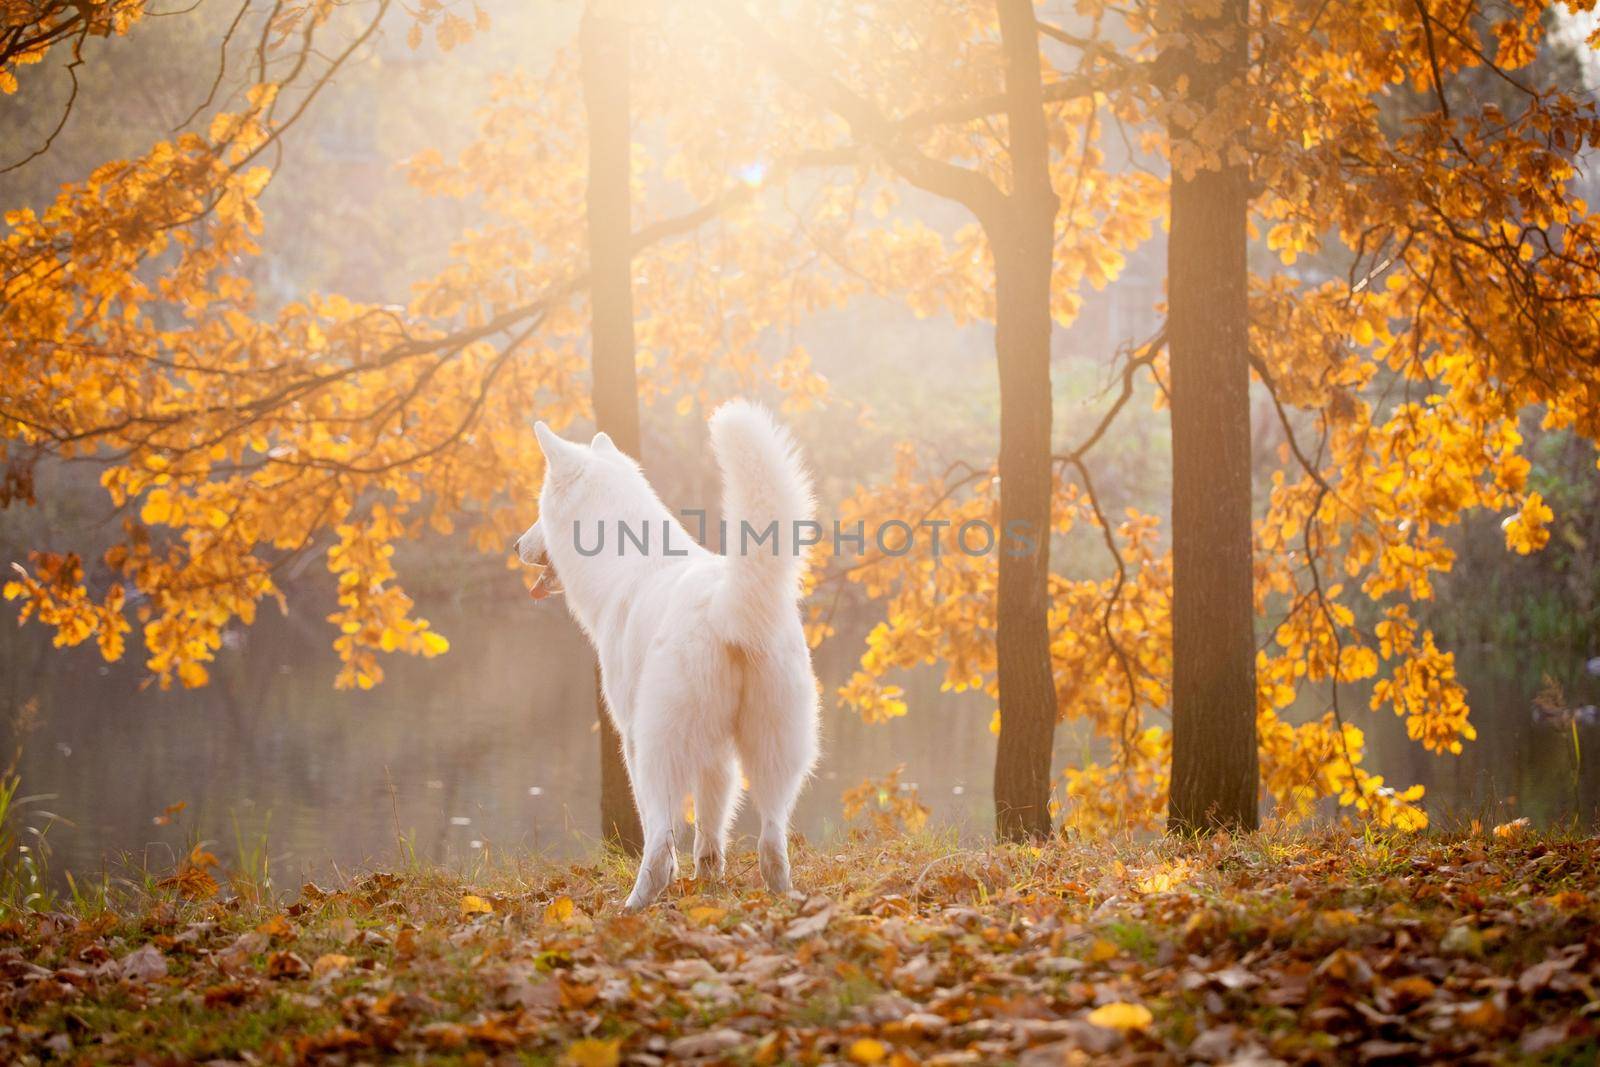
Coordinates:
column 493, row 746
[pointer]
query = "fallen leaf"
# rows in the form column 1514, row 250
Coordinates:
column 1510, row 831
column 442, row 1035
column 493, row 1032
column 473, row 905
column 144, row 964
column 710, row 1043
column 1543, row 1039
column 237, row 955
column 286, row 965
column 335, row 1039
column 527, row 988
column 228, row 993
column 1484, row 1015
column 1377, row 1049
column 593, row 1052
column 578, row 995
column 1121, row 1016
column 917, row 1024
column 277, row 928
column 1412, row 989
column 868, row 1050
column 1102, row 950
column 1061, row 965
column 1337, row 919
column 1082, row 1038
column 1342, row 965
column 1235, row 977
column 809, row 926
column 1541, row 974
column 1462, row 940
column 1216, row 1044
column 330, row 963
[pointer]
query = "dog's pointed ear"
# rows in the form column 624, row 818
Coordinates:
column 602, row 442
column 560, row 455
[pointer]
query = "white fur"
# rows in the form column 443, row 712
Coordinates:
column 703, row 660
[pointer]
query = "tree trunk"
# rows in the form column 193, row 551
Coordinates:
column 1023, row 238
column 603, row 40
column 1215, row 776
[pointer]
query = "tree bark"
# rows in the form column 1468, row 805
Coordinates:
column 603, row 41
column 1215, row 774
column 1022, row 236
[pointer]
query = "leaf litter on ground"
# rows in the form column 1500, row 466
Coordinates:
column 1326, row 946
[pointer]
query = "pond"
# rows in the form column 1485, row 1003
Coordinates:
column 490, row 746
column 493, row 747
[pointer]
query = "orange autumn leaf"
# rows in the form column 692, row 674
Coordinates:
column 1121, row 1016
column 475, row 905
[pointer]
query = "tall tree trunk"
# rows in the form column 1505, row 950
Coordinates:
column 603, row 40
column 1215, row 776
column 1023, row 238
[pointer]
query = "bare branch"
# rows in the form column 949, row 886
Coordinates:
column 66, row 110
column 222, row 67
column 1146, row 355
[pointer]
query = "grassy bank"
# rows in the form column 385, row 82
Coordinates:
column 1320, row 947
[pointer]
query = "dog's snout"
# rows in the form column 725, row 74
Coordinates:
column 530, row 546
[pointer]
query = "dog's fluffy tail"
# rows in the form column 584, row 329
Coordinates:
column 766, row 502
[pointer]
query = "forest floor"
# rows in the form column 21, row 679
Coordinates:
column 1333, row 945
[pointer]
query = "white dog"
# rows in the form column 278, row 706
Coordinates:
column 703, row 660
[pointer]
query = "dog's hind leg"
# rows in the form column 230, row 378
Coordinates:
column 773, row 790
column 777, row 743
column 714, row 796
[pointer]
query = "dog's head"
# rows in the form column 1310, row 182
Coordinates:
column 577, row 480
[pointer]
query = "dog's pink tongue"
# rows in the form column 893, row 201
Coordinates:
column 539, row 592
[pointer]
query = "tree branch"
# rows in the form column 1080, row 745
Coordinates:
column 952, row 181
